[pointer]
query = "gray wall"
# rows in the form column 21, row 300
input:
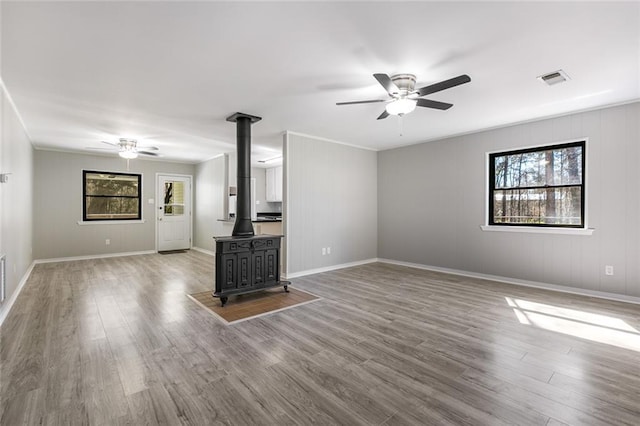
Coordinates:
column 58, row 206
column 16, row 198
column 432, row 202
column 210, row 182
column 331, row 201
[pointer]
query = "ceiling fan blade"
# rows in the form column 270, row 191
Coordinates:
column 360, row 102
column 149, row 148
column 452, row 82
column 384, row 115
column 149, row 153
column 110, row 143
column 98, row 149
column 433, row 104
column 386, row 82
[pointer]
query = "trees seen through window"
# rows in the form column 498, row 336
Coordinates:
column 541, row 186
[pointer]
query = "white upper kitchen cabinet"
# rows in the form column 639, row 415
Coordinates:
column 274, row 184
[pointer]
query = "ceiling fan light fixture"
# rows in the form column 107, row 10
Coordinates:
column 405, row 97
column 129, row 155
column 128, row 148
column 401, row 106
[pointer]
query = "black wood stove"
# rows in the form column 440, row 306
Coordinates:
column 246, row 262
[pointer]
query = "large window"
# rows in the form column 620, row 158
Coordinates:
column 111, row 196
column 541, row 186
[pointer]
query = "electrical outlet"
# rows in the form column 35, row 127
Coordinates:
column 107, row 241
column 608, row 270
column 324, row 251
column 328, row 250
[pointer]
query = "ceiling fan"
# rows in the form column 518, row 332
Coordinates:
column 128, row 148
column 405, row 97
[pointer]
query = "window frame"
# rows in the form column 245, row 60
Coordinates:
column 85, row 219
column 490, row 188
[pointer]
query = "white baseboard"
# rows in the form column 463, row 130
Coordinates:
column 524, row 283
column 94, row 256
column 329, row 268
column 9, row 302
column 205, row 251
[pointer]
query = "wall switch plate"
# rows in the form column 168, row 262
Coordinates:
column 107, row 241
column 151, row 201
column 324, row 251
column 608, row 270
column 328, row 250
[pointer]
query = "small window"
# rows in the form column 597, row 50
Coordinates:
column 173, row 198
column 541, row 186
column 111, row 196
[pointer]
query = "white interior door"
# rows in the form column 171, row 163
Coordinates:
column 174, row 212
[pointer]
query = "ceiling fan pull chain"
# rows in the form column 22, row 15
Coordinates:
column 400, row 126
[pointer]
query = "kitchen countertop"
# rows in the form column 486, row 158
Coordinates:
column 253, row 237
column 258, row 220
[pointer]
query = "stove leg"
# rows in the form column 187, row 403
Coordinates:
column 223, row 300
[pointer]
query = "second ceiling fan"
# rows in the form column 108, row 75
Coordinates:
column 128, row 149
column 405, row 97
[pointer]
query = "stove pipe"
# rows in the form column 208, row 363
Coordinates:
column 243, row 226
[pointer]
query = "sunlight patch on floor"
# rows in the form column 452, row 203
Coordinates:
column 595, row 327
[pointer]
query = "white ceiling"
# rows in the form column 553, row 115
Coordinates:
column 169, row 73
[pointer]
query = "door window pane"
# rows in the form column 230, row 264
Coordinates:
column 174, row 198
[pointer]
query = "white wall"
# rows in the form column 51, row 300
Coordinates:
column 58, row 206
column 432, row 202
column 260, row 175
column 16, row 199
column 212, row 178
column 210, row 194
column 330, row 201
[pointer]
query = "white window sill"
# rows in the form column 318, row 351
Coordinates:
column 109, row 222
column 538, row 230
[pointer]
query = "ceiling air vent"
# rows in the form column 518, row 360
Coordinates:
column 554, row 77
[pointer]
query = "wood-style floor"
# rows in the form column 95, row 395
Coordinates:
column 117, row 341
